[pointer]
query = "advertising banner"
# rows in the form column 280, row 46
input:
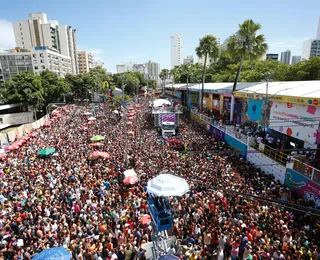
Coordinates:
column 217, row 132
column 294, row 120
column 303, row 187
column 266, row 164
column 216, row 104
column 253, row 109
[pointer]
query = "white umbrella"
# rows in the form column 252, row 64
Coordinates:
column 129, row 173
column 91, row 118
column 87, row 113
column 167, row 185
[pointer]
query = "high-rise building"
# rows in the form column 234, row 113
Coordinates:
column 33, row 60
column 189, row 59
column 84, row 61
column 295, row 59
column 318, row 31
column 176, row 50
column 38, row 31
column 97, row 63
column 272, row 56
column 153, row 71
column 310, row 48
column 122, row 68
column 285, row 57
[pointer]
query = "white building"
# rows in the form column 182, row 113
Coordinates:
column 84, row 61
column 310, row 48
column 33, row 60
column 318, row 31
column 153, row 71
column 295, row 59
column 176, row 50
column 39, row 31
column 285, row 57
column 122, row 68
column 189, row 59
column 97, row 63
column 142, row 68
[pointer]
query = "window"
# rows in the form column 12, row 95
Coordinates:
column 41, row 55
column 43, row 67
column 41, row 61
column 36, row 67
column 34, row 55
column 22, row 43
column 21, row 33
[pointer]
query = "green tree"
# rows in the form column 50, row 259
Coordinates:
column 164, row 75
column 25, row 87
column 55, row 88
column 131, row 82
column 208, row 48
column 246, row 44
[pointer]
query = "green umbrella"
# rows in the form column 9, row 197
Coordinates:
column 97, row 138
column 47, row 152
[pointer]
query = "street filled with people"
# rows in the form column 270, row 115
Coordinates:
column 77, row 197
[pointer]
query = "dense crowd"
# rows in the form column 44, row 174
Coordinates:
column 78, row 202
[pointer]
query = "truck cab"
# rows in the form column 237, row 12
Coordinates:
column 168, row 129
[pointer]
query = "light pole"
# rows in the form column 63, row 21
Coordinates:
column 124, row 123
column 267, row 77
column 188, row 76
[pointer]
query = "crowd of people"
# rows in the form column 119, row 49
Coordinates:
column 79, row 202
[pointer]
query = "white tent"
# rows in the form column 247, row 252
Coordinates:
column 129, row 173
column 160, row 102
column 167, row 185
column 91, row 118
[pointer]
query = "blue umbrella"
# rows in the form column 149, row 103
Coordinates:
column 56, row 253
column 168, row 257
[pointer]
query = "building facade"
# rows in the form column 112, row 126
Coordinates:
column 33, row 60
column 153, row 71
column 318, row 31
column 85, row 61
column 176, row 50
column 142, row 68
column 272, row 56
column 189, row 59
column 295, row 59
column 310, row 48
column 38, row 31
column 285, row 57
column 97, row 63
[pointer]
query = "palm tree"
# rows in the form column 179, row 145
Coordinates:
column 246, row 44
column 175, row 74
column 208, row 47
column 164, row 74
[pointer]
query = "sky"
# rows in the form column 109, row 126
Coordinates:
column 139, row 30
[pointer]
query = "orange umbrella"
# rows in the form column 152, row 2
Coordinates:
column 145, row 219
column 130, row 180
column 98, row 154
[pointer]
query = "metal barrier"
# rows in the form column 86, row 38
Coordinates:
column 306, row 170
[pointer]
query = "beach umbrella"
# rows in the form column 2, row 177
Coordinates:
column 146, row 219
column 130, row 180
column 137, row 105
column 92, row 118
column 103, row 155
column 168, row 257
column 167, row 185
column 56, row 253
column 3, row 155
column 129, row 173
column 97, row 138
column 46, row 152
column 47, row 124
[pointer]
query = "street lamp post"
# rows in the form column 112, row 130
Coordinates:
column 188, row 76
column 267, row 76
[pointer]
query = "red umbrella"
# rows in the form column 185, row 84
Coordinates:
column 47, row 124
column 2, row 155
column 130, row 180
column 145, row 219
column 98, row 154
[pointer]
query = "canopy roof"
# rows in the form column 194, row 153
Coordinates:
column 283, row 88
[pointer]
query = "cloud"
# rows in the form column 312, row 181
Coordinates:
column 7, row 40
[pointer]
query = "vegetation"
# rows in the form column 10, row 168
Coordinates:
column 208, row 48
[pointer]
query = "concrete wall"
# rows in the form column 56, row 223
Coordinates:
column 17, row 118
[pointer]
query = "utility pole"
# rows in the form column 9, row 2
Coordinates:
column 267, row 77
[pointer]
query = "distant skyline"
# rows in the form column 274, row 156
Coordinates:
column 121, row 31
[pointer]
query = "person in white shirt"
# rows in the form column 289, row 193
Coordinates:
column 171, row 250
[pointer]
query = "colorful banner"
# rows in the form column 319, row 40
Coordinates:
column 281, row 99
column 252, row 109
column 303, row 187
column 298, row 121
column 217, row 132
column 216, row 104
column 236, row 144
